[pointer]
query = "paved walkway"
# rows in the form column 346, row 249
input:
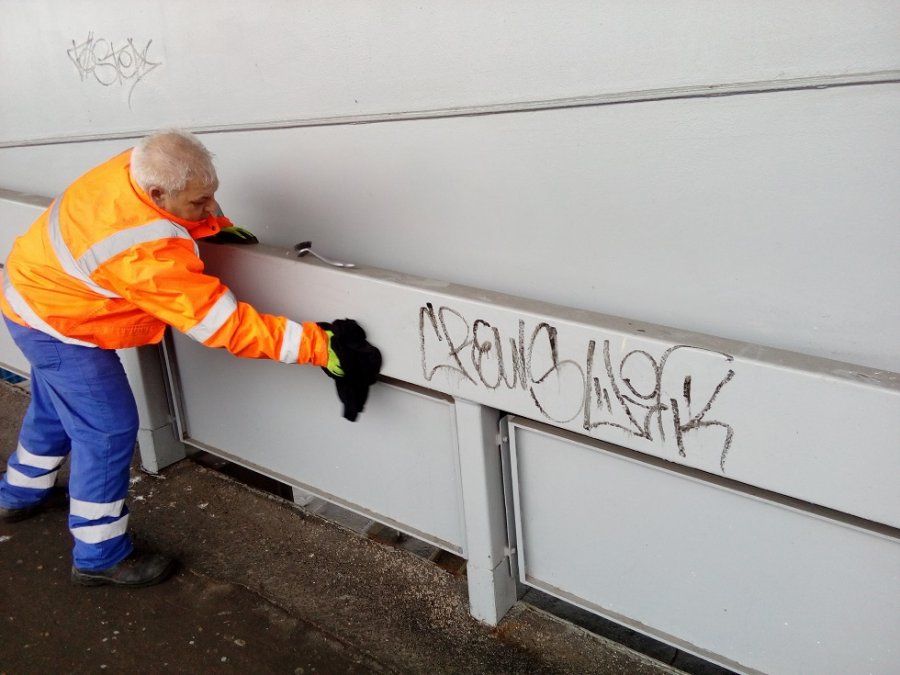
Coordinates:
column 264, row 587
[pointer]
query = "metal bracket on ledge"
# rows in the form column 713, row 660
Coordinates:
column 305, row 247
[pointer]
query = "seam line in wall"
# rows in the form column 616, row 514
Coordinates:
column 616, row 98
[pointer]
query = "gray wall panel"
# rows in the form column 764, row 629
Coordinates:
column 709, row 569
column 398, row 462
column 17, row 211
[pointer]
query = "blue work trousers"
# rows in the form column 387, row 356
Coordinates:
column 82, row 408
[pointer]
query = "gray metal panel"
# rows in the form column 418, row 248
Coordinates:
column 397, row 463
column 703, row 566
column 17, row 212
column 10, row 357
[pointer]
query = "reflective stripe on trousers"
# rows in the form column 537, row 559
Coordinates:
column 81, row 407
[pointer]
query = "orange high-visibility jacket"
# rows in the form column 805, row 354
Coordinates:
column 103, row 266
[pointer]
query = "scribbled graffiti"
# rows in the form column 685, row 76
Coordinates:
column 663, row 399
column 111, row 64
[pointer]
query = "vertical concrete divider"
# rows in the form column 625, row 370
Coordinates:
column 492, row 587
column 158, row 436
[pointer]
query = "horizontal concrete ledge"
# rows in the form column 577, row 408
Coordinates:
column 818, row 430
column 24, row 198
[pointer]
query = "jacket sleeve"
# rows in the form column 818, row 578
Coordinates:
column 165, row 279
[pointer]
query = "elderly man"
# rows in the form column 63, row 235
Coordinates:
column 108, row 266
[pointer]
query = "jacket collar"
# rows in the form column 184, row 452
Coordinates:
column 196, row 228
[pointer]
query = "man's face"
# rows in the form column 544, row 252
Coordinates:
column 195, row 202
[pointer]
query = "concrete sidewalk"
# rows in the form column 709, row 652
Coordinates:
column 264, row 587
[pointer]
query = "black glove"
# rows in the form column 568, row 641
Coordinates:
column 233, row 235
column 360, row 361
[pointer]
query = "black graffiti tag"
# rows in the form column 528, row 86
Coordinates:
column 641, row 407
column 632, row 393
column 477, row 350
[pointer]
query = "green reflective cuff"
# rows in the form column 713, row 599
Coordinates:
column 334, row 363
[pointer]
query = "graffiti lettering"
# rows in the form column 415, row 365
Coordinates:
column 659, row 400
column 640, row 408
column 109, row 64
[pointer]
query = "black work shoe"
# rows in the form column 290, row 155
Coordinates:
column 57, row 497
column 138, row 570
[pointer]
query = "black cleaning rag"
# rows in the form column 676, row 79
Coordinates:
column 360, row 361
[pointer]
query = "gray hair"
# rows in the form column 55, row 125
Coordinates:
column 170, row 159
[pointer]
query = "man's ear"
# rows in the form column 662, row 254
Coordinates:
column 156, row 194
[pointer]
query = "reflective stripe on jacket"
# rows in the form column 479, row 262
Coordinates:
column 104, row 266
